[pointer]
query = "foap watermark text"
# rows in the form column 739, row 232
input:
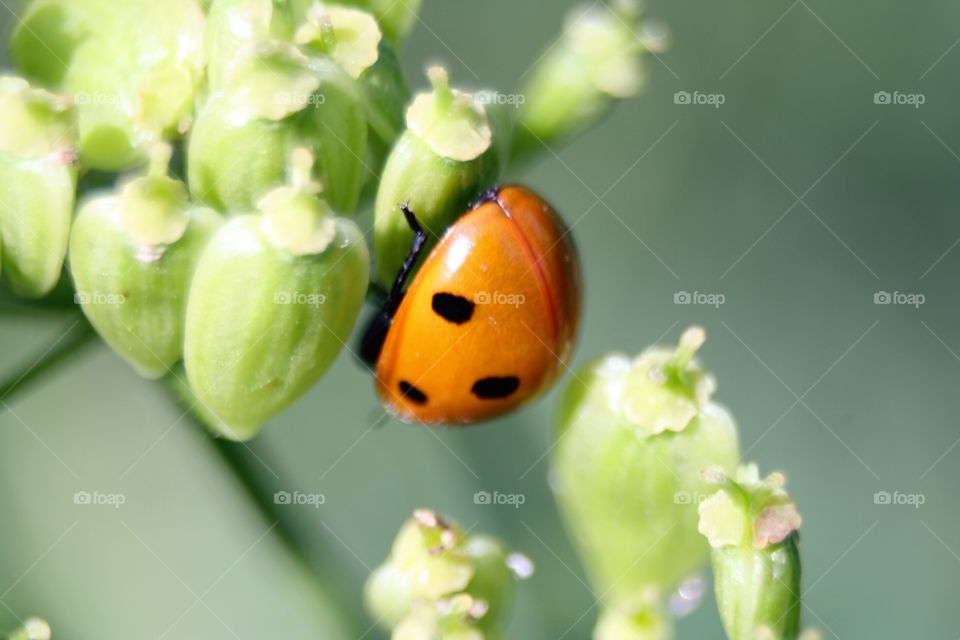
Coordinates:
column 699, row 298
column 900, row 298
column 515, row 500
column 699, row 99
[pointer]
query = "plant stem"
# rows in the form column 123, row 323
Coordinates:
column 78, row 336
column 245, row 465
column 242, row 465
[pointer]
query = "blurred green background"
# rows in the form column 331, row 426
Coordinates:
column 798, row 200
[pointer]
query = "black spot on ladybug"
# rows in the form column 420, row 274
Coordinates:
column 452, row 308
column 495, row 388
column 412, row 393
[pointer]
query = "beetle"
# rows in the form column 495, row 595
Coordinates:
column 489, row 319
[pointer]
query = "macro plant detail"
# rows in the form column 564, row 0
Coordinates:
column 37, row 167
column 232, row 198
column 751, row 524
column 32, row 629
column 632, row 439
column 442, row 582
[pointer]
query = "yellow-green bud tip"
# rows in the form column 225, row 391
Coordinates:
column 747, row 510
column 452, row 123
column 32, row 629
column 351, row 37
column 665, row 390
column 294, row 219
column 153, row 206
column 606, row 39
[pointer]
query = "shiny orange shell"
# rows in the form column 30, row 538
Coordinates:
column 490, row 318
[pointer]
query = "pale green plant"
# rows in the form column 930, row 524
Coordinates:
column 257, row 138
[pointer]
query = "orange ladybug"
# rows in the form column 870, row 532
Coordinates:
column 489, row 320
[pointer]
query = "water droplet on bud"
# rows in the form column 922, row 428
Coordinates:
column 688, row 597
column 521, row 566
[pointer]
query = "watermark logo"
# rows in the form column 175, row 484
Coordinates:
column 288, row 98
column 699, row 99
column 898, row 499
column 501, row 99
column 299, row 499
column 914, row 300
column 99, row 499
column 99, row 298
column 897, row 98
column 515, row 500
column 97, row 98
column 499, row 298
column 689, row 497
column 299, row 298
column 700, row 298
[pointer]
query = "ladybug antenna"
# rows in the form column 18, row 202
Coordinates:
column 376, row 331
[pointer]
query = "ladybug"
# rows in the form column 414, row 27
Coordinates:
column 488, row 321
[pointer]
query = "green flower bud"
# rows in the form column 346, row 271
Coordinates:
column 751, row 525
column 440, row 582
column 32, row 629
column 645, row 620
column 350, row 37
column 233, row 26
column 595, row 64
column 441, row 163
column 453, row 619
column 132, row 255
column 131, row 87
column 179, row 385
column 42, row 44
column 37, row 154
column 273, row 300
column 396, row 17
column 631, row 441
column 279, row 99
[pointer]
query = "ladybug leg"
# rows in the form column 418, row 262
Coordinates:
column 376, row 331
column 416, row 248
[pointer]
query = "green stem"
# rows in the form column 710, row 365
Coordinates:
column 246, row 467
column 60, row 300
column 10, row 308
column 79, row 336
column 242, row 463
column 243, row 466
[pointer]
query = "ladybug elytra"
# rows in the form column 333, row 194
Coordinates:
column 489, row 319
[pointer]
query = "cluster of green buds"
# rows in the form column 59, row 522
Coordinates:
column 32, row 629
column 133, row 251
column 132, row 85
column 278, row 87
column 632, row 438
column 257, row 306
column 751, row 524
column 219, row 157
column 274, row 298
column 441, row 583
